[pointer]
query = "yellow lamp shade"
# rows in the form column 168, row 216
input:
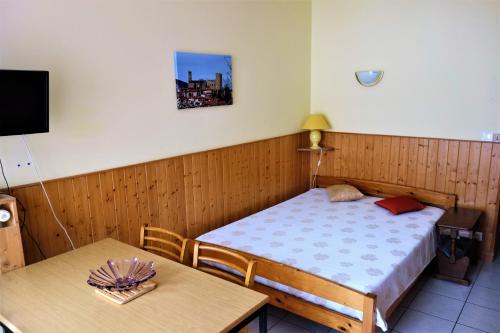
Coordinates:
column 316, row 122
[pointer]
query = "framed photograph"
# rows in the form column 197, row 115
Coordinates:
column 203, row 80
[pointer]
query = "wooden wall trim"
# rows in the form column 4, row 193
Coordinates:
column 405, row 136
column 189, row 194
column 468, row 169
column 302, row 133
column 195, row 193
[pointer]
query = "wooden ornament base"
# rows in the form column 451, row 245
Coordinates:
column 122, row 297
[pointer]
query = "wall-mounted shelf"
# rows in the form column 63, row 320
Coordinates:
column 320, row 150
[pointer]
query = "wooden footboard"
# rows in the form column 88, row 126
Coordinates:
column 321, row 287
column 311, row 311
column 317, row 286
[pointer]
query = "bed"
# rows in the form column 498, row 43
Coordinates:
column 345, row 265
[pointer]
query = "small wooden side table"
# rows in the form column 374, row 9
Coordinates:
column 457, row 224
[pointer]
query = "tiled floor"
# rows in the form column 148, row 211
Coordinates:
column 433, row 306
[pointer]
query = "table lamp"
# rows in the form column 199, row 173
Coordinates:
column 315, row 123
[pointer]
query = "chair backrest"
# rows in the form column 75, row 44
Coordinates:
column 164, row 242
column 209, row 258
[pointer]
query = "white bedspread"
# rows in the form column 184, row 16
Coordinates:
column 357, row 244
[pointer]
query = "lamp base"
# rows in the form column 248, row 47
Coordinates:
column 315, row 137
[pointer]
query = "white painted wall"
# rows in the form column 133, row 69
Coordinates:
column 441, row 61
column 112, row 83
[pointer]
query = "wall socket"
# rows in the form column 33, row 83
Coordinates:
column 23, row 164
column 496, row 137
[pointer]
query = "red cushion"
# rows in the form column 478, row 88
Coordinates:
column 399, row 205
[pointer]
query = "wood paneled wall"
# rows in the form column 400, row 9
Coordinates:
column 195, row 193
column 469, row 169
column 190, row 194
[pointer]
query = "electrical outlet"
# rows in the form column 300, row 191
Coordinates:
column 496, row 137
column 24, row 164
column 486, row 136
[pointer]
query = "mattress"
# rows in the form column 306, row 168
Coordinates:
column 357, row 244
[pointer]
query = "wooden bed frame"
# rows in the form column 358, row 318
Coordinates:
column 336, row 292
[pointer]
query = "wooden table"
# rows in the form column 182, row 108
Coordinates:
column 53, row 296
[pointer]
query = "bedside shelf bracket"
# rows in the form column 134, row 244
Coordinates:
column 320, row 150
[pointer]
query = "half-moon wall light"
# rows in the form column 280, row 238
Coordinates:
column 369, row 78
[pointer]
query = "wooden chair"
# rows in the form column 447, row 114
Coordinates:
column 204, row 253
column 167, row 243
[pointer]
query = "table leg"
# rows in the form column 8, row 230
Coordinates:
column 261, row 314
column 453, row 236
column 263, row 319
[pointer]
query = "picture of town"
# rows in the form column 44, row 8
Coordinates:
column 203, row 80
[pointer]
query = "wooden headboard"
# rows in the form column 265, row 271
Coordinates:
column 378, row 189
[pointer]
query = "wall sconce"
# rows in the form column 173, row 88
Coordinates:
column 369, row 78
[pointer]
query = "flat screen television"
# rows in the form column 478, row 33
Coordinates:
column 24, row 102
